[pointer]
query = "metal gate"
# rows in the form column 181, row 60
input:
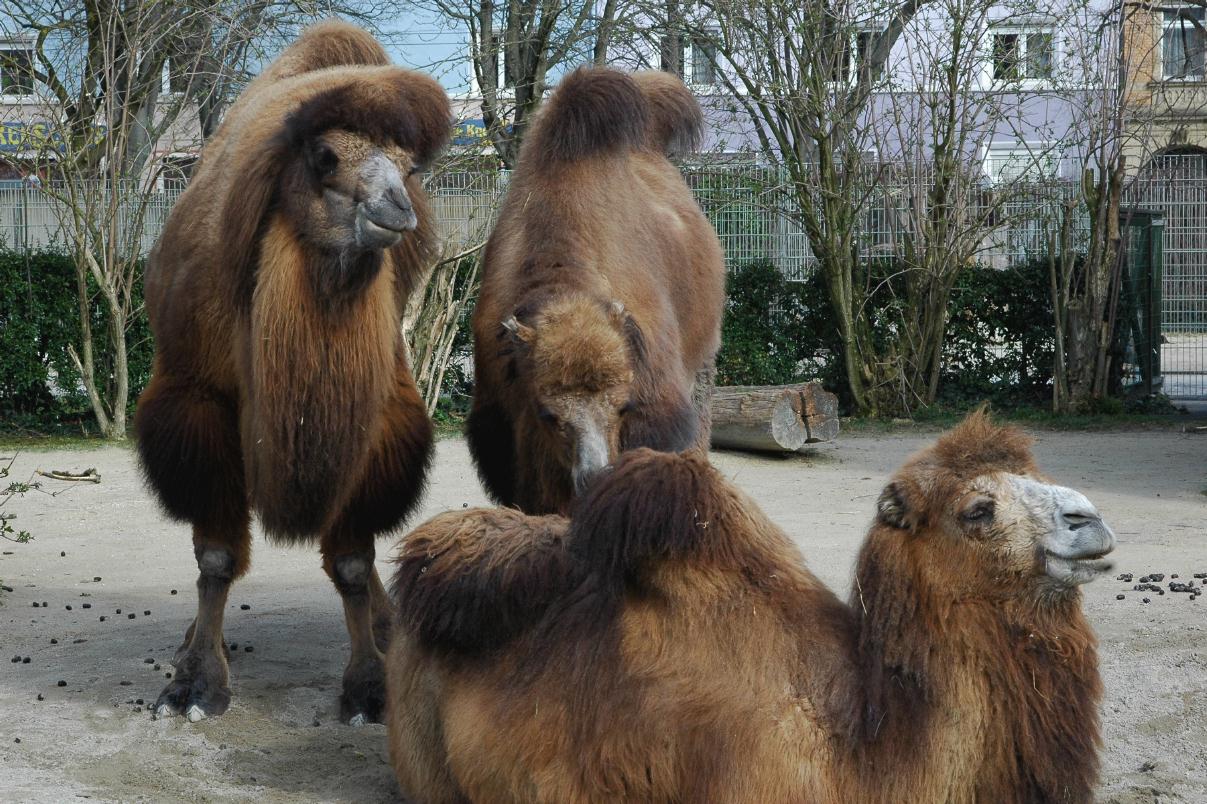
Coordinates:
column 1176, row 187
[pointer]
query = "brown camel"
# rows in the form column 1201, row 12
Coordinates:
column 602, row 293
column 667, row 643
column 280, row 383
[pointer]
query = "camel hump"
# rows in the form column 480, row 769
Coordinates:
column 330, row 43
column 470, row 581
column 652, row 506
column 594, row 111
column 676, row 122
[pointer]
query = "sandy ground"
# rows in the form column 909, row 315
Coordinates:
column 281, row 740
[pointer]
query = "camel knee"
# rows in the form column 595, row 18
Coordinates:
column 215, row 563
column 351, row 573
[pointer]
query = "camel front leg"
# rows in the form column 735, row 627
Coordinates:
column 702, row 390
column 350, row 567
column 201, row 687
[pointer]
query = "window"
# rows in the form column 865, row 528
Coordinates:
column 1183, row 44
column 176, row 171
column 16, row 71
column 1020, row 162
column 177, row 74
column 671, row 53
column 854, row 56
column 703, row 59
column 1023, row 54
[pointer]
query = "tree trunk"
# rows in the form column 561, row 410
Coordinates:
column 773, row 418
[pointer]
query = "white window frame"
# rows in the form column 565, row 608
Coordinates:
column 1163, row 27
column 26, row 46
column 1041, row 156
column 688, row 63
column 1023, row 31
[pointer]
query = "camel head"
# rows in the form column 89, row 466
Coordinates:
column 973, row 515
column 347, row 194
column 579, row 356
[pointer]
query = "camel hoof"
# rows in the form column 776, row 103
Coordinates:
column 356, row 721
column 163, row 710
column 196, row 713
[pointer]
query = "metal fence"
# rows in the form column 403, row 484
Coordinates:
column 754, row 214
column 1176, row 186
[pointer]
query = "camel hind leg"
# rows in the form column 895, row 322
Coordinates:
column 392, row 485
column 188, row 442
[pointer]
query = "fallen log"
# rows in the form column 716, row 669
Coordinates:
column 773, row 418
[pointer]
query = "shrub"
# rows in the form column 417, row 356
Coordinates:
column 39, row 319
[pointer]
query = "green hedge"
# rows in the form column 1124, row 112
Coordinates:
column 39, row 318
column 998, row 342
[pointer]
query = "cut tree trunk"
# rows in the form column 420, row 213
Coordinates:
column 773, row 418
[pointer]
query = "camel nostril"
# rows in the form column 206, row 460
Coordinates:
column 397, row 195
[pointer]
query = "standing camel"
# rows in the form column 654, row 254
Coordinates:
column 602, row 291
column 280, row 383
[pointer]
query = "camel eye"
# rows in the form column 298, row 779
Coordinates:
column 627, row 407
column 979, row 513
column 415, row 169
column 546, row 415
column 324, row 159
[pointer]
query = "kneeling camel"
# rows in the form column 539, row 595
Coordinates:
column 667, row 643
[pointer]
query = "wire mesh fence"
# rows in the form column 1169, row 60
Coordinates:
column 755, row 213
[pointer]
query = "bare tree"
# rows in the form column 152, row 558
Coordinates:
column 513, row 48
column 793, row 69
column 118, row 81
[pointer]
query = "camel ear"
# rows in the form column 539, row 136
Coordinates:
column 892, row 509
column 521, row 333
column 617, row 313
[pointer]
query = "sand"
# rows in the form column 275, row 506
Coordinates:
column 281, row 740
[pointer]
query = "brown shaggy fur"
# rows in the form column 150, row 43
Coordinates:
column 280, row 382
column 615, row 280
column 670, row 645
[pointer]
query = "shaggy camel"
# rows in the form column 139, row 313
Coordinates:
column 602, row 291
column 280, row 383
column 667, row 643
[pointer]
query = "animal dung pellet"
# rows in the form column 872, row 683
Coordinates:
column 124, row 683
column 245, row 607
column 16, row 739
column 234, row 646
column 119, row 611
column 102, row 618
column 139, row 701
column 35, row 604
column 157, row 667
column 96, row 579
column 167, row 675
column 86, row 605
column 1146, row 600
column 1174, row 575
column 1120, row 597
column 131, row 615
column 173, row 591
column 248, row 649
column 69, row 607
column 41, row 697
column 62, row 683
column 316, row 722
column 148, row 661
column 54, row 642
column 63, row 553
column 147, row 613
column 16, row 659
column 9, row 588
column 26, row 660
column 78, row 641
column 1157, row 576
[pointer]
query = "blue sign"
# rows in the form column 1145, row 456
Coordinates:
column 25, row 137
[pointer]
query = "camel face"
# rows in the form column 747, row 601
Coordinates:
column 357, row 200
column 1036, row 529
column 581, row 376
